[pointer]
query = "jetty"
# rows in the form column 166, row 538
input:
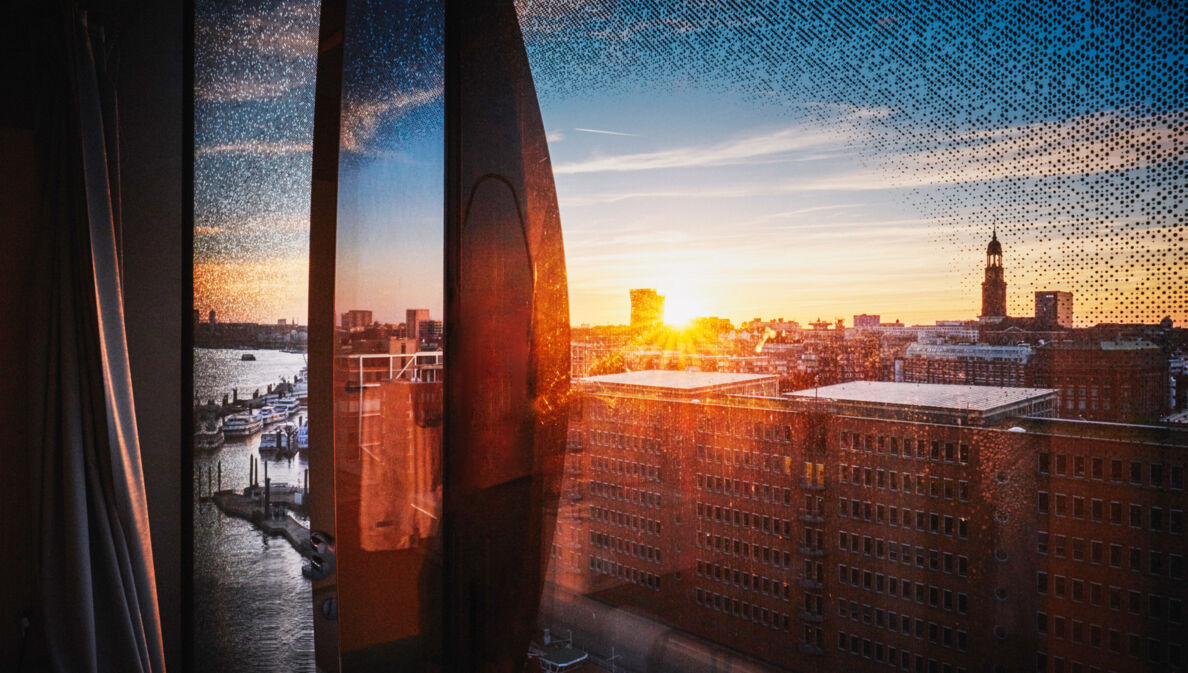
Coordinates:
column 277, row 521
column 269, row 507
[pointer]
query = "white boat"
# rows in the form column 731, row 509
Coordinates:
column 301, row 391
column 287, row 404
column 271, row 414
column 242, row 425
column 280, row 441
column 208, row 434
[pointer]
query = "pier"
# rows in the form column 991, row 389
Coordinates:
column 277, row 522
column 267, row 507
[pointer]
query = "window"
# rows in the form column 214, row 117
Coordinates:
column 673, row 156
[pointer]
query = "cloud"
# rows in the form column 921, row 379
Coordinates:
column 243, row 88
column 771, row 147
column 256, row 147
column 262, row 55
column 555, row 136
column 361, row 119
column 1104, row 142
column 607, row 133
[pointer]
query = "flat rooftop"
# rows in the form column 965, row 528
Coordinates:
column 929, row 395
column 676, row 379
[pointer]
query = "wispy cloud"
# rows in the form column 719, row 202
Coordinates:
column 361, row 119
column 768, row 147
column 1086, row 145
column 255, row 147
column 260, row 55
column 607, row 133
column 555, row 136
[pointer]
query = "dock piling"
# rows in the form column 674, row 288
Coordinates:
column 267, row 493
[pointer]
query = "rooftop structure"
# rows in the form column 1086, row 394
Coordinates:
column 684, row 383
column 968, row 404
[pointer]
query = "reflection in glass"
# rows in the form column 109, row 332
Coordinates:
column 388, row 341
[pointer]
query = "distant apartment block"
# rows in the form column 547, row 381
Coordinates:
column 413, row 319
column 1120, row 381
column 355, row 319
column 967, row 364
column 647, row 308
column 867, row 321
column 1054, row 308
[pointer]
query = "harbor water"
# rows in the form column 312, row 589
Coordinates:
column 252, row 607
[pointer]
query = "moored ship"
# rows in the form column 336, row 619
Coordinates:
column 280, row 441
column 243, row 425
column 208, row 434
column 287, row 405
column 270, row 414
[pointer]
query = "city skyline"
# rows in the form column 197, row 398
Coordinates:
column 812, row 197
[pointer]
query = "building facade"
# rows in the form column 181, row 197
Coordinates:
column 647, row 308
column 881, row 526
column 356, row 319
column 966, row 364
column 1119, row 381
column 1054, row 308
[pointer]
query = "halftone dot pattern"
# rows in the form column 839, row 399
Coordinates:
column 1060, row 123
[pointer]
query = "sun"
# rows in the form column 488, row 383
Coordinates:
column 682, row 306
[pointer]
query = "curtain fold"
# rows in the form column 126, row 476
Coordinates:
column 98, row 591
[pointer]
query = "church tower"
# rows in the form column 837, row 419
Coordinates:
column 994, row 287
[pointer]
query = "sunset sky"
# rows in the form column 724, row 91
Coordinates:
column 769, row 165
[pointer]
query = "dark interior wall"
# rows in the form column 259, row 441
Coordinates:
column 17, row 513
column 150, row 89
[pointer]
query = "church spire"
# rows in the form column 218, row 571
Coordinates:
column 994, row 287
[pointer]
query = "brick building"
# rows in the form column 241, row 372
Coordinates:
column 1120, row 381
column 967, row 364
column 880, row 526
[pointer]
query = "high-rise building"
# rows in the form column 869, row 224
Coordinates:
column 647, row 308
column 430, row 330
column 356, row 319
column 875, row 526
column 994, row 286
column 867, row 321
column 1054, row 308
column 412, row 321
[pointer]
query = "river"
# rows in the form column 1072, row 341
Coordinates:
column 252, row 607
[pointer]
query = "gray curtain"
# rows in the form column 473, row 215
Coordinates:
column 98, row 598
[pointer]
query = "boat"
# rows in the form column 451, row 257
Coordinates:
column 280, row 441
column 242, row 425
column 288, row 405
column 208, row 434
column 270, row 414
column 247, row 357
column 301, row 391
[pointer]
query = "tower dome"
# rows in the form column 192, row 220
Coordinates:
column 995, row 248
